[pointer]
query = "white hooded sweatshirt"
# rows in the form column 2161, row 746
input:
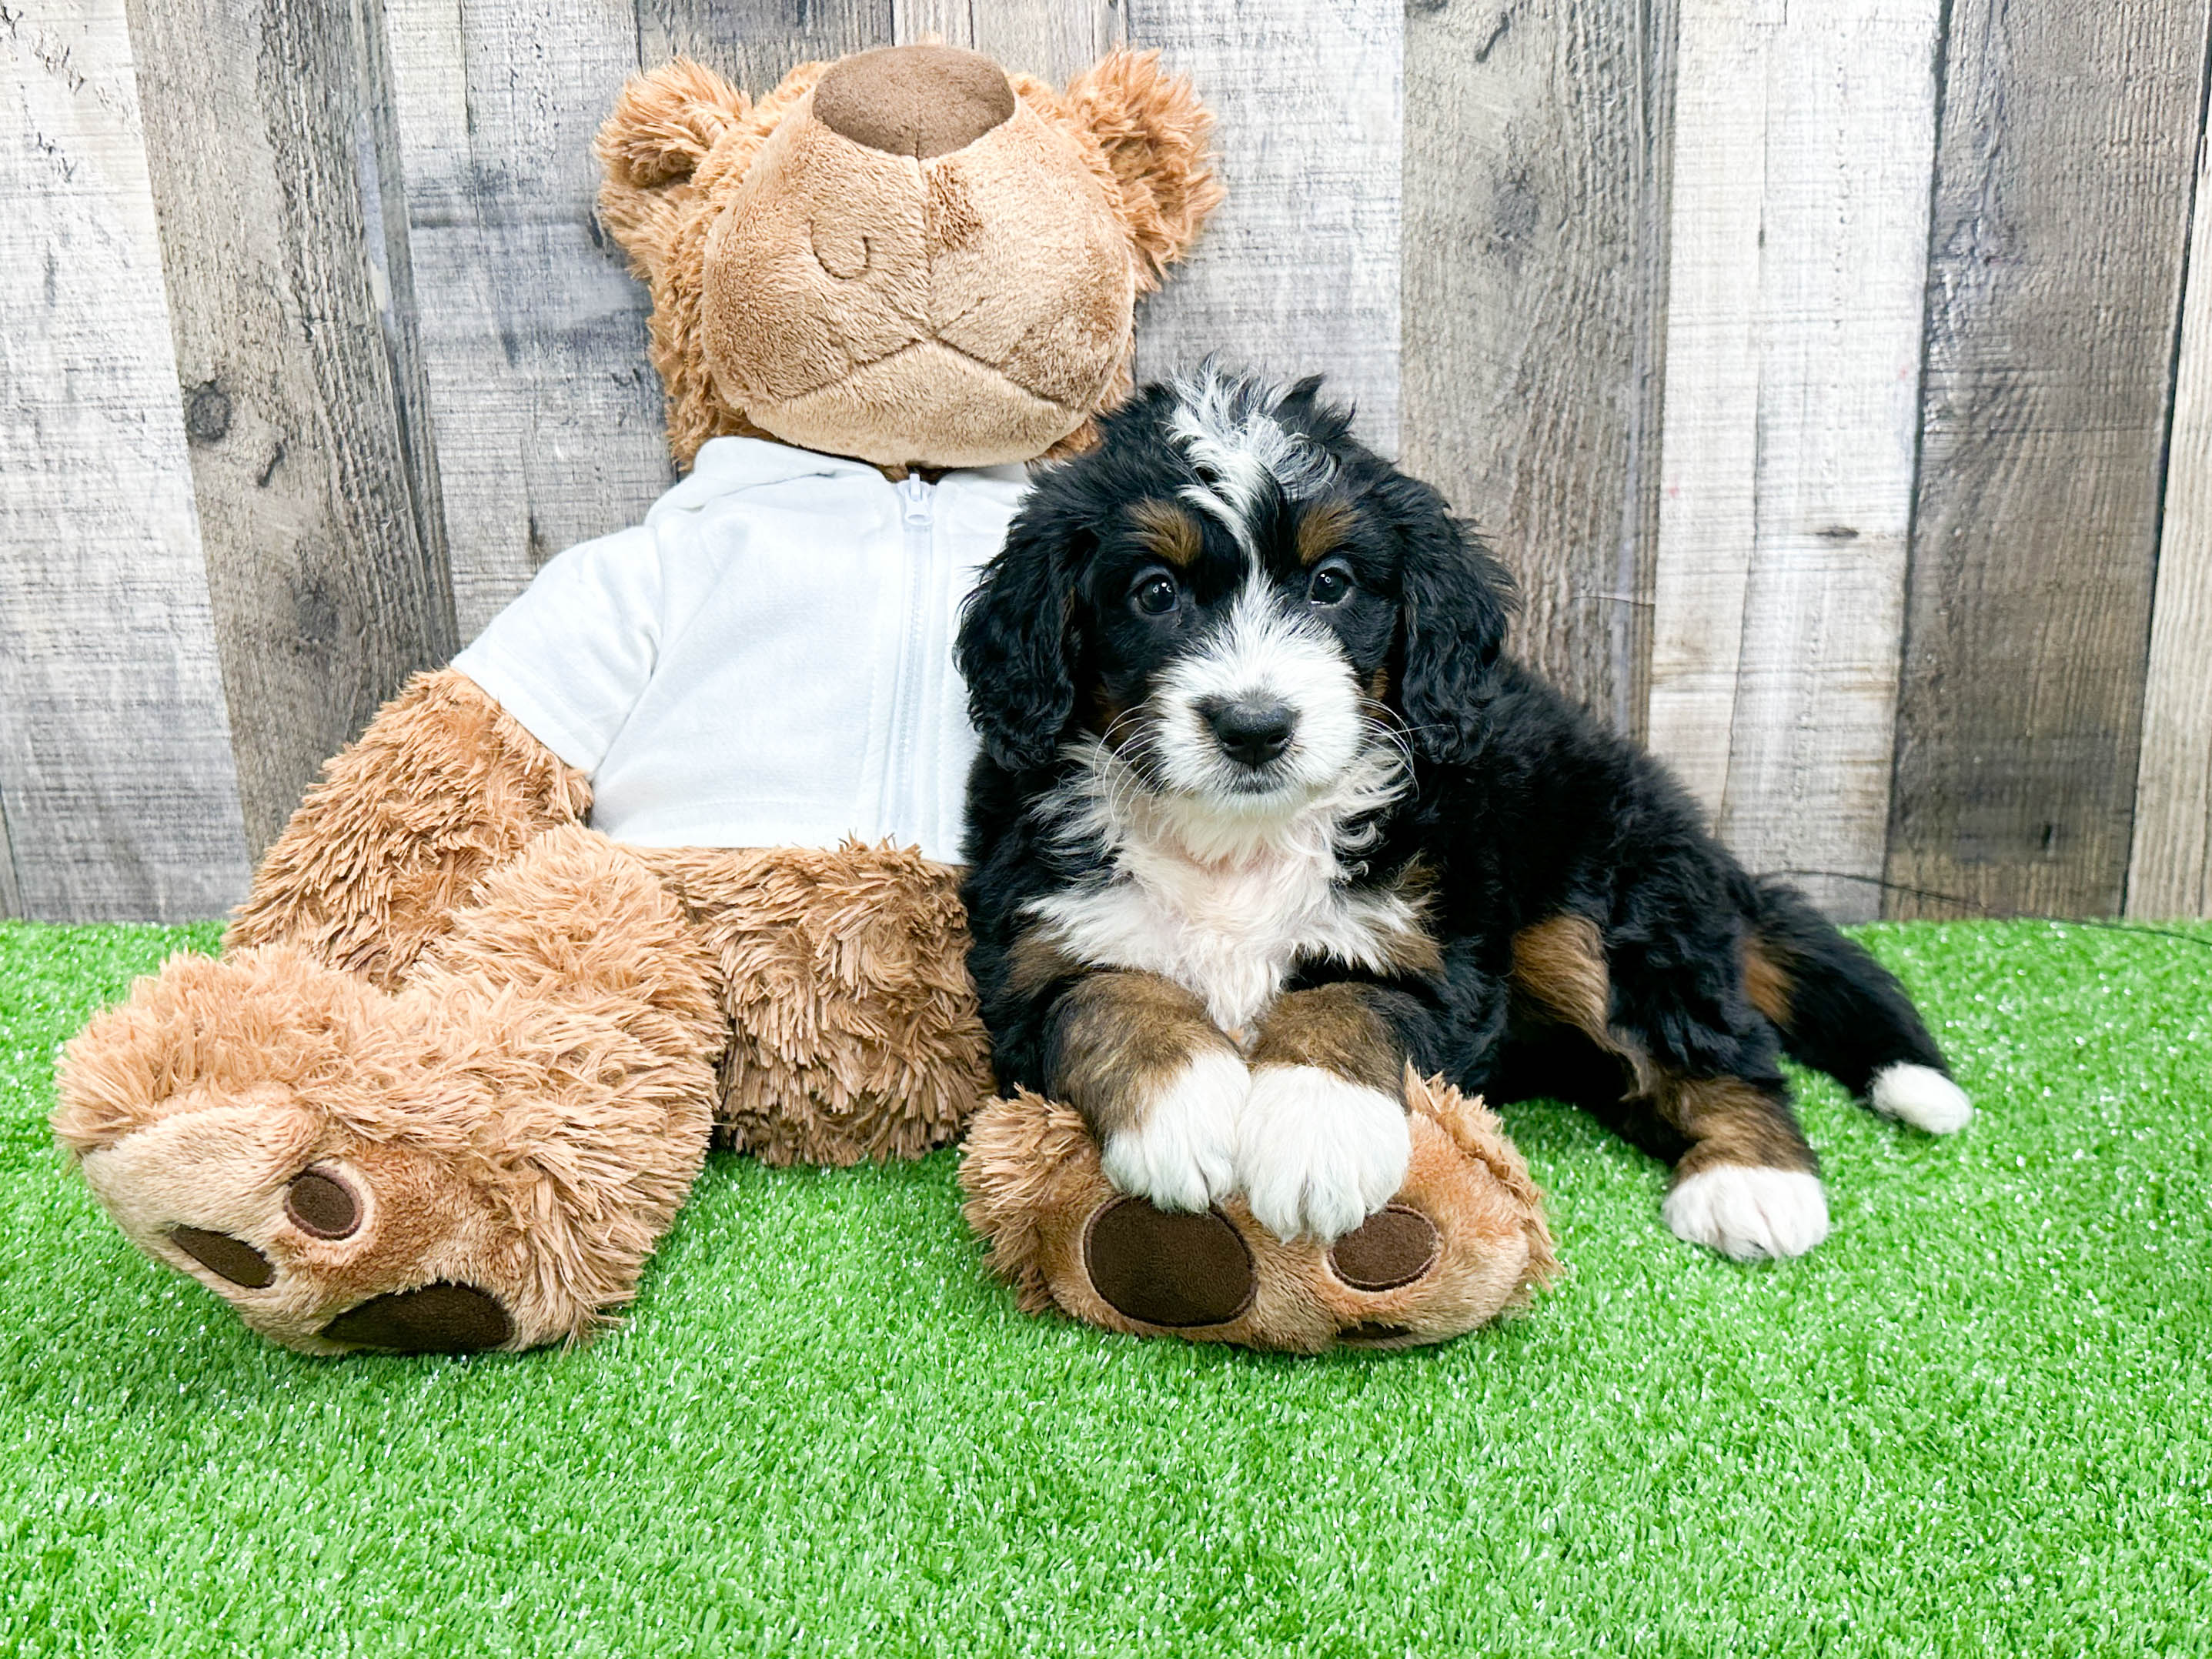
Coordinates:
column 767, row 661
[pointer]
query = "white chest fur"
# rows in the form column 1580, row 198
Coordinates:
column 1229, row 931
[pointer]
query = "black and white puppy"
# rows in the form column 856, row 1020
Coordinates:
column 1263, row 815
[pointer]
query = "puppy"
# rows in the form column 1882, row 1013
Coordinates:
column 1263, row 815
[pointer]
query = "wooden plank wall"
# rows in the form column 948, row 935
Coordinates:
column 2061, row 211
column 2170, row 863
column 1832, row 377
column 1800, row 221
column 1538, row 146
column 116, row 778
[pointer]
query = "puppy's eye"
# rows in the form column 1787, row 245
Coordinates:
column 1331, row 584
column 1155, row 593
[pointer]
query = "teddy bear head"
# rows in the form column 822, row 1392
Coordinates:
column 907, row 256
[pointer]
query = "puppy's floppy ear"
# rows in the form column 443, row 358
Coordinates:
column 1153, row 130
column 1017, row 641
column 662, row 128
column 1457, row 600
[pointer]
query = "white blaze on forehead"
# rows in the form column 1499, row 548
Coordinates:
column 1228, row 429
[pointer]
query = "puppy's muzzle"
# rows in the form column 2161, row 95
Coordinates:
column 1251, row 731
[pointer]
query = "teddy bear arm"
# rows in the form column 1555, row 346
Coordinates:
column 444, row 786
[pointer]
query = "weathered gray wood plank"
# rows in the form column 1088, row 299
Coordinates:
column 11, row 891
column 757, row 42
column 116, row 776
column 1297, row 273
column 1051, row 40
column 2061, row 210
column 1804, row 141
column 546, row 414
column 1537, row 142
column 328, row 575
column 2170, row 864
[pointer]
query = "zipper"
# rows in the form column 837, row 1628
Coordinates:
column 918, row 509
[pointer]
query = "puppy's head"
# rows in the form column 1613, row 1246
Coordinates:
column 1236, row 598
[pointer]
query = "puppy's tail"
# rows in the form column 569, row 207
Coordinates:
column 1842, row 1012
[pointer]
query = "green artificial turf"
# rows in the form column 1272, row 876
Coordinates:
column 1975, row 1421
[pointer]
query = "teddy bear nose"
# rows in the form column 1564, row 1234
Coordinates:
column 914, row 100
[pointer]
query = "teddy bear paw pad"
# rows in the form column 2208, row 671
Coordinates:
column 226, row 1257
column 1395, row 1246
column 322, row 1204
column 441, row 1318
column 1168, row 1269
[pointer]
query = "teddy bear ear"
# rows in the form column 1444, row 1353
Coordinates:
column 1153, row 130
column 663, row 126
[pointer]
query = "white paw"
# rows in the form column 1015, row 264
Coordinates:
column 1748, row 1213
column 1920, row 1095
column 1182, row 1156
column 1316, row 1155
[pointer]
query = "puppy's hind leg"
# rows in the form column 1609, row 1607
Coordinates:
column 1708, row 1096
column 1749, row 1186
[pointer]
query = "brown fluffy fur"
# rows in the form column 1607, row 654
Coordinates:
column 1033, row 1183
column 526, row 1112
column 444, row 785
column 514, row 1034
column 852, row 1029
column 683, row 145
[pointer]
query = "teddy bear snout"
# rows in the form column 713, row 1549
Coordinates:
column 920, row 101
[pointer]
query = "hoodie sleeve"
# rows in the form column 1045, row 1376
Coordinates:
column 570, row 658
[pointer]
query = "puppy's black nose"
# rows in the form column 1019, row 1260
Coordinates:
column 1251, row 731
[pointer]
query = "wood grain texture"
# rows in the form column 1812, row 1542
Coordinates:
column 2170, row 860
column 11, row 891
column 1709, row 474
column 547, row 416
column 1049, row 39
column 327, row 573
column 1803, row 149
column 1537, row 140
column 1297, row 273
column 2061, row 212
column 757, row 42
column 115, row 767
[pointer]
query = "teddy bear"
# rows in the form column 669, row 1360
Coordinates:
column 667, row 857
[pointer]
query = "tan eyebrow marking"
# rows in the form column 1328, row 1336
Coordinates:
column 1169, row 531
column 1322, row 531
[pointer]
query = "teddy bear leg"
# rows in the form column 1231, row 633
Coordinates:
column 483, row 1158
column 854, row 1030
column 442, row 788
column 1463, row 1240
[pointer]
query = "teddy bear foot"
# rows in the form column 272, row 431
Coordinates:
column 352, row 1169
column 1463, row 1240
column 320, row 1241
column 222, row 1117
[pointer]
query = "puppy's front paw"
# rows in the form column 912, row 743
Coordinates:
column 1749, row 1213
column 1316, row 1154
column 1181, row 1155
